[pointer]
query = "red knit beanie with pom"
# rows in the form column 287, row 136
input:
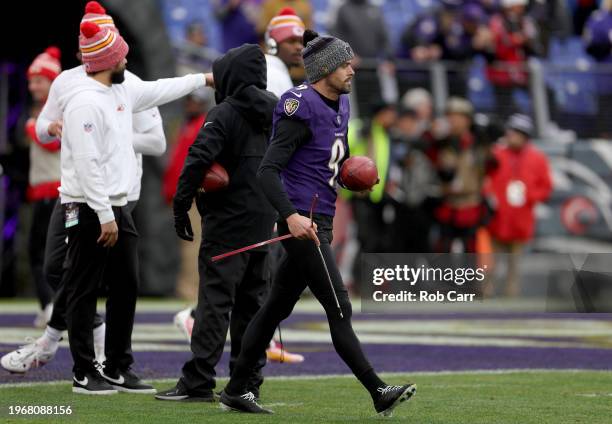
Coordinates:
column 285, row 25
column 101, row 48
column 46, row 64
column 96, row 14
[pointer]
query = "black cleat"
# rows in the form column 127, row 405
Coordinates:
column 91, row 383
column 391, row 396
column 179, row 394
column 126, row 381
column 242, row 403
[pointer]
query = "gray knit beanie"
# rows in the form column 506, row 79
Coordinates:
column 521, row 123
column 323, row 55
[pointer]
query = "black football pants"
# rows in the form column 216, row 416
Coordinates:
column 301, row 267
column 231, row 291
column 86, row 262
column 56, row 248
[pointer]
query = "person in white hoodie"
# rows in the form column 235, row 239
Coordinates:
column 149, row 139
column 98, row 170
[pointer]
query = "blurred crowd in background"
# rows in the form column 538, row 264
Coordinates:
column 450, row 99
column 478, row 49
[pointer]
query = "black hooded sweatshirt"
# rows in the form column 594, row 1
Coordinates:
column 235, row 135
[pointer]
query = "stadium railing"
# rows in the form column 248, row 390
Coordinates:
column 557, row 96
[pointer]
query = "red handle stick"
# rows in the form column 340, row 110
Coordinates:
column 252, row 246
column 315, row 199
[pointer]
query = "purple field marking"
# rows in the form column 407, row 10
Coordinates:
column 322, row 359
column 26, row 320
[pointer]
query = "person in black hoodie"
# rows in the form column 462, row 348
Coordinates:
column 235, row 135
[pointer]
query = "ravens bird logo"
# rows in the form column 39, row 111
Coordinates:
column 291, row 105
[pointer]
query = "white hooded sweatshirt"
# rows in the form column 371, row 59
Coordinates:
column 99, row 164
column 149, row 137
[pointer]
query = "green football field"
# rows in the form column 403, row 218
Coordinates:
column 504, row 397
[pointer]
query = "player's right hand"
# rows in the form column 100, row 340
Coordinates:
column 55, row 128
column 109, row 233
column 300, row 227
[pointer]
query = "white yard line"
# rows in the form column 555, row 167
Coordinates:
column 309, row 305
column 330, row 376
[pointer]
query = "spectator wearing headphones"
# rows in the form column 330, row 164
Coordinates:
column 284, row 43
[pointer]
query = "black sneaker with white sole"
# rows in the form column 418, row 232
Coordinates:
column 126, row 381
column 91, row 383
column 242, row 403
column 177, row 393
column 391, row 396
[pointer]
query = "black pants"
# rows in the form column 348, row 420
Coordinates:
column 86, row 262
column 41, row 213
column 301, row 267
column 231, row 292
column 56, row 248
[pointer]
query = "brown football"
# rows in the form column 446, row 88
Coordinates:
column 215, row 179
column 359, row 173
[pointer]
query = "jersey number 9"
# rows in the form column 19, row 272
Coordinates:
column 337, row 153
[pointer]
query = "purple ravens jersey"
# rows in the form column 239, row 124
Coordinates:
column 315, row 165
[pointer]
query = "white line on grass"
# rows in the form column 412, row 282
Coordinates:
column 594, row 395
column 274, row 405
column 329, row 376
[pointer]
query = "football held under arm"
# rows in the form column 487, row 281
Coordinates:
column 202, row 153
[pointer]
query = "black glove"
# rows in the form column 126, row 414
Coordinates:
column 182, row 223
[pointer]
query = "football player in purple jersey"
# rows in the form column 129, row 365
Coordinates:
column 306, row 151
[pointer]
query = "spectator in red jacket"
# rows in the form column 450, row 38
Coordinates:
column 520, row 180
column 514, row 39
column 44, row 175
